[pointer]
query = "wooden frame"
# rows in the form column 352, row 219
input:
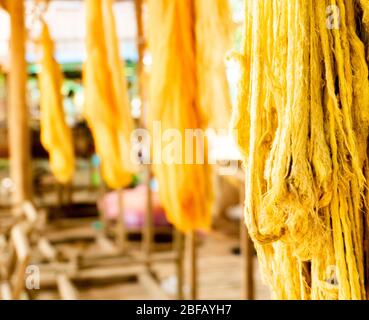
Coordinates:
column 112, row 262
column 20, row 256
column 19, row 163
column 13, row 287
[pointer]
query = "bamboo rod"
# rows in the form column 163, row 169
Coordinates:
column 19, row 137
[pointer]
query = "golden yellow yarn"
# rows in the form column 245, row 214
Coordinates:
column 302, row 121
column 188, row 42
column 56, row 136
column 213, row 27
column 107, row 107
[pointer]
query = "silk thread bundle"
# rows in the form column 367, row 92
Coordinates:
column 56, row 136
column 302, row 123
column 213, row 27
column 107, row 107
column 189, row 90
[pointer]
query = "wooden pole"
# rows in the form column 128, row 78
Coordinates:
column 147, row 232
column 141, row 47
column 247, row 264
column 69, row 196
column 179, row 263
column 192, row 264
column 102, row 193
column 191, row 236
column 247, row 253
column 121, row 230
column 19, row 137
column 59, row 191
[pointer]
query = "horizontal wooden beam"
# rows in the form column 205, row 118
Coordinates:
column 123, row 273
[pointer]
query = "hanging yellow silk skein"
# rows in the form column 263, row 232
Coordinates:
column 189, row 90
column 214, row 28
column 302, row 122
column 56, row 136
column 107, row 107
column 185, row 188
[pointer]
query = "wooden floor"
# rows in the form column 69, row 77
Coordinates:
column 219, row 276
column 219, row 269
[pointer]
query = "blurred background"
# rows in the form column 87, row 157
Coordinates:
column 86, row 208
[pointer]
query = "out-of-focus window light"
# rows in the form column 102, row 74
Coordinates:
column 79, row 100
column 136, row 107
column 7, row 187
column 4, row 35
column 233, row 70
column 238, row 12
column 147, row 61
column 233, row 75
column 34, row 12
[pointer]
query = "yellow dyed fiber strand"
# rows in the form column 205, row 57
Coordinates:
column 302, row 128
column 56, row 136
column 213, row 27
column 107, row 107
column 188, row 41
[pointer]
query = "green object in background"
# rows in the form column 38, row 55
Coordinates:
column 95, row 175
column 135, row 180
column 96, row 179
column 4, row 164
column 34, row 68
column 97, row 225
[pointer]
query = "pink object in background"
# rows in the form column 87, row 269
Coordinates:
column 134, row 203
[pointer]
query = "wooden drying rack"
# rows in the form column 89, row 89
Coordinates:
column 20, row 155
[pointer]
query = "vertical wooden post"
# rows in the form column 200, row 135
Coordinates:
column 247, row 250
column 191, row 236
column 121, row 230
column 148, row 232
column 141, row 47
column 102, row 193
column 192, row 264
column 19, row 137
column 59, row 191
column 178, row 241
column 69, row 196
column 247, row 264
